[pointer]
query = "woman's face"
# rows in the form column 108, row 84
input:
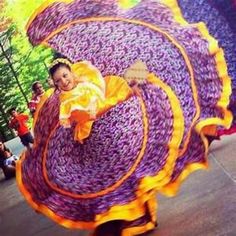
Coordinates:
column 63, row 79
column 39, row 90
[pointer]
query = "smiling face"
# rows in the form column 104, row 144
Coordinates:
column 63, row 78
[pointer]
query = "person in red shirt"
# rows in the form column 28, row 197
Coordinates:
column 18, row 123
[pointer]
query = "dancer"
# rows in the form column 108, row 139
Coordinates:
column 145, row 143
column 83, row 94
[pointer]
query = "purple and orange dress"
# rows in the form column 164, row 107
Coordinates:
column 141, row 143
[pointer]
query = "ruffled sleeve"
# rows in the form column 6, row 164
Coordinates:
column 86, row 72
column 80, row 106
column 90, row 98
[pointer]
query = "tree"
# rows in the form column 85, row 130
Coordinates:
column 20, row 64
column 6, row 54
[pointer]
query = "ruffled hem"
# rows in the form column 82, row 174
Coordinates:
column 229, row 131
column 209, row 125
column 221, row 67
column 147, row 187
column 128, row 212
column 160, row 182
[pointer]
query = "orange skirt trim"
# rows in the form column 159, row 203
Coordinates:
column 208, row 126
column 129, row 212
column 41, row 8
column 160, row 182
column 114, row 186
column 155, row 28
column 152, row 210
column 145, row 194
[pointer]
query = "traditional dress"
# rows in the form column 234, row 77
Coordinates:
column 91, row 97
column 141, row 142
column 220, row 18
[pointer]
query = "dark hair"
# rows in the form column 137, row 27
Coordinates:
column 11, row 110
column 53, row 69
column 33, row 86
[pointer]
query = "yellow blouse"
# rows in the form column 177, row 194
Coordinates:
column 90, row 98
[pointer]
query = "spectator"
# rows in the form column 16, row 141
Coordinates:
column 7, row 161
column 38, row 91
column 18, row 123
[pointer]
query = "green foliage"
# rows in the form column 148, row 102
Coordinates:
column 21, row 10
column 20, row 63
column 128, row 3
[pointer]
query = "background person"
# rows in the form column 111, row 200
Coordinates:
column 38, row 91
column 18, row 123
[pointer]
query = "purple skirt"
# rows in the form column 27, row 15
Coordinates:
column 144, row 145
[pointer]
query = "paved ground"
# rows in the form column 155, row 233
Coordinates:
column 205, row 205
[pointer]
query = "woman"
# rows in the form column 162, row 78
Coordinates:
column 83, row 94
column 104, row 171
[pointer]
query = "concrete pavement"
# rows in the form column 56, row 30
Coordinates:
column 205, row 205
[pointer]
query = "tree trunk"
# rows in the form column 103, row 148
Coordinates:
column 4, row 116
column 13, row 72
column 45, row 65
